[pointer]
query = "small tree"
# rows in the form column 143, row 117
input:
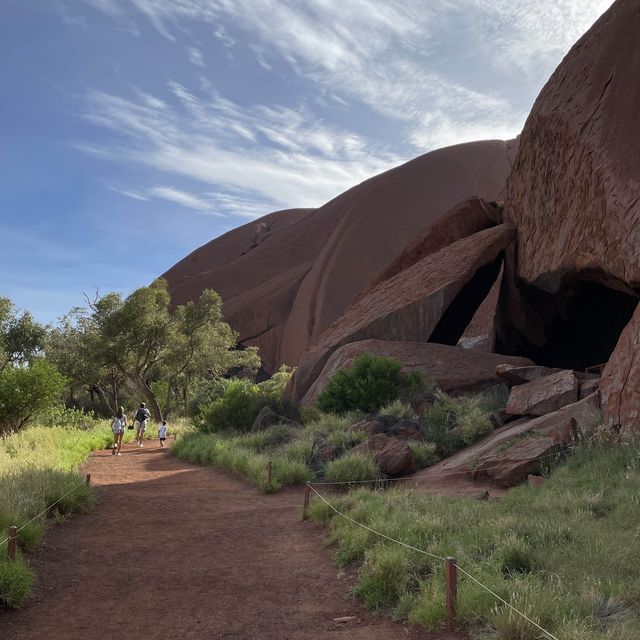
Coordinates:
column 26, row 391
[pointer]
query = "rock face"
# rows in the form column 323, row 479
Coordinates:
column 543, row 395
column 451, row 368
column 419, row 304
column 573, row 192
column 286, row 277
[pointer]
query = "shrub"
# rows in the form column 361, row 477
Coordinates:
column 352, row 468
column 235, row 410
column 16, row 581
column 400, row 410
column 370, row 383
column 424, row 453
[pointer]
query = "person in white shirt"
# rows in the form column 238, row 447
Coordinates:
column 118, row 426
column 162, row 432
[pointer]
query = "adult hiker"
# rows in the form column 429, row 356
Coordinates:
column 142, row 415
column 117, row 427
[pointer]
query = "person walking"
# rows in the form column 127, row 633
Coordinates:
column 162, row 432
column 142, row 415
column 117, row 427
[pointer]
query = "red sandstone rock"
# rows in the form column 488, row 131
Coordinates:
column 573, row 192
column 543, row 395
column 522, row 375
column 393, row 456
column 620, row 384
column 409, row 306
column 286, row 277
column 451, row 368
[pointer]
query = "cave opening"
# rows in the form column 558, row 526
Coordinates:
column 460, row 312
column 581, row 324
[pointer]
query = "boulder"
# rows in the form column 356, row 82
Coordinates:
column 587, row 387
column 420, row 303
column 393, row 456
column 521, row 375
column 512, row 466
column 403, row 429
column 267, row 418
column 451, row 368
column 543, row 395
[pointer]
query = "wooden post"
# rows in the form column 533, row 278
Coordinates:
column 307, row 495
column 451, row 575
column 270, row 472
column 88, row 479
column 13, row 543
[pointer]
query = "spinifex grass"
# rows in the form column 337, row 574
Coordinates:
column 566, row 554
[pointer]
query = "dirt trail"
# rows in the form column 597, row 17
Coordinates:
column 178, row 551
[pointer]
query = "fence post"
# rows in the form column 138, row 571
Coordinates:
column 88, row 479
column 13, row 543
column 307, row 495
column 451, row 575
column 269, row 472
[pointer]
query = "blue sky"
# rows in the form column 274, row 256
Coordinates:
column 133, row 131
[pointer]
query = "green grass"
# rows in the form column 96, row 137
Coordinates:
column 292, row 450
column 567, row 553
column 353, row 468
column 38, row 466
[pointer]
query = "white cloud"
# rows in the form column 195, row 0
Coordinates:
column 181, row 197
column 128, row 193
column 267, row 154
column 195, row 56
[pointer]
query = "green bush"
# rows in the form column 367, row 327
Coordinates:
column 424, row 453
column 234, row 410
column 370, row 383
column 356, row 467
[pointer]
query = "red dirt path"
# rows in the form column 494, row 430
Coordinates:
column 178, row 551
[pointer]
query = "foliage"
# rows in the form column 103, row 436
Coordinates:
column 139, row 340
column 398, row 409
column 26, row 391
column 235, row 410
column 21, row 338
column 424, row 453
column 452, row 423
column 370, row 383
column 543, row 549
column 37, row 469
column 68, row 417
column 352, row 468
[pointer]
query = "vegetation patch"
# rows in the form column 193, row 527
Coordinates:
column 572, row 568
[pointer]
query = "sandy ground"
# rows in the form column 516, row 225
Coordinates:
column 178, row 551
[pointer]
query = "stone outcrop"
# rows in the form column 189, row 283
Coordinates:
column 507, row 454
column 521, row 375
column 392, row 455
column 543, row 395
column 419, row 304
column 286, row 277
column 451, row 368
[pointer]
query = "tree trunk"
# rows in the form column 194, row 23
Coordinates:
column 147, row 392
column 103, row 396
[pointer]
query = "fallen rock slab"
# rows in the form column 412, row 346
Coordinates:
column 451, row 368
column 543, row 395
column 515, row 375
column 394, row 457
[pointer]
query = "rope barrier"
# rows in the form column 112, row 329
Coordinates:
column 434, row 476
column 437, row 557
column 44, row 511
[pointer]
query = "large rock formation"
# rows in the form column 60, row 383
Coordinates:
column 574, row 196
column 451, row 368
column 434, row 299
column 286, row 277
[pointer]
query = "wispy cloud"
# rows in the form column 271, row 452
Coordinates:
column 267, row 154
column 128, row 193
column 195, row 56
column 180, row 197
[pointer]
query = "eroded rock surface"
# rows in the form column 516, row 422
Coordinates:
column 393, row 455
column 410, row 306
column 543, row 395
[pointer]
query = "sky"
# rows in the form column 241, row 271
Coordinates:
column 134, row 131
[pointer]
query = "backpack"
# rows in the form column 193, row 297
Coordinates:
column 117, row 424
column 141, row 415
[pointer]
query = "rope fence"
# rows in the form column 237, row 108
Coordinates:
column 12, row 539
column 451, row 567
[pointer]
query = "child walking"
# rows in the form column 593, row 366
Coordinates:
column 162, row 432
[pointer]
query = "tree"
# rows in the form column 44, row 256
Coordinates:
column 21, row 337
column 141, row 341
column 27, row 390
